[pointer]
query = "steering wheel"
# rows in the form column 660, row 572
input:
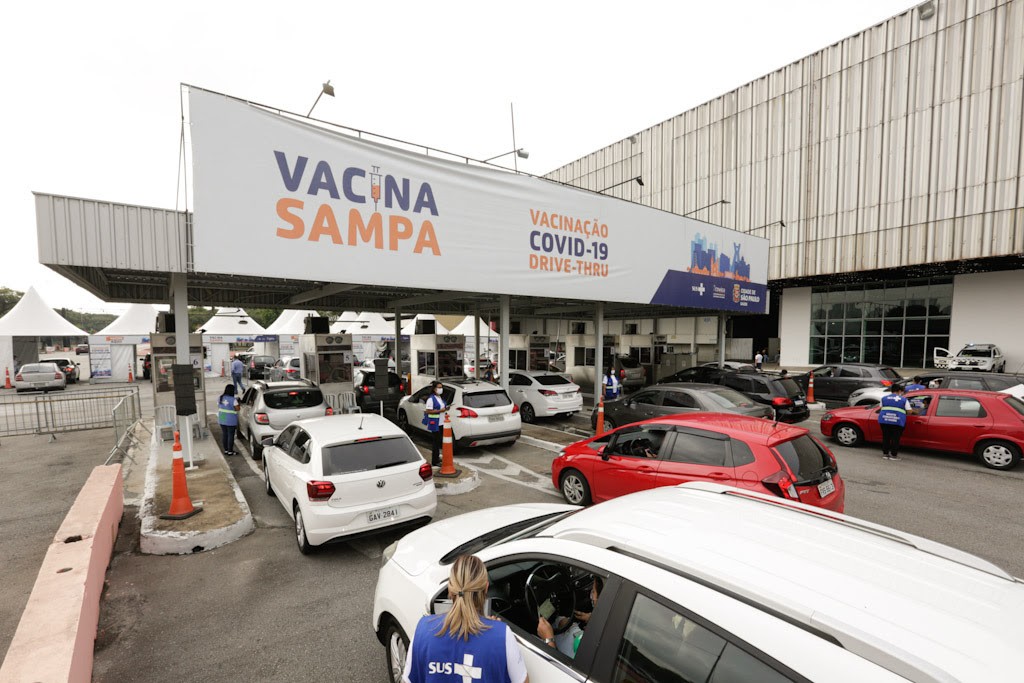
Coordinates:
column 552, row 583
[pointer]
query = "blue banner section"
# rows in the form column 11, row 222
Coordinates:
column 266, row 338
column 679, row 288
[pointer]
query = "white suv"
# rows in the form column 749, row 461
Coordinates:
column 481, row 413
column 704, row 582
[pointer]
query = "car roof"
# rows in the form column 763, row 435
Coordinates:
column 471, row 384
column 978, row 346
column 756, row 429
column 685, row 385
column 921, row 609
column 349, row 427
column 973, row 393
column 285, row 384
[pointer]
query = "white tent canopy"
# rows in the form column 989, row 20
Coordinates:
column 291, row 321
column 139, row 319
column 466, row 328
column 410, row 327
column 32, row 317
column 344, row 321
column 229, row 322
column 372, row 323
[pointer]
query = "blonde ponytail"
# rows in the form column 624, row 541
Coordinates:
column 467, row 587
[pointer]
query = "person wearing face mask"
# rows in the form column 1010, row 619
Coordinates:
column 436, row 407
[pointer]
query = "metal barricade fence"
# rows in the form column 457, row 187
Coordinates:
column 64, row 412
column 125, row 415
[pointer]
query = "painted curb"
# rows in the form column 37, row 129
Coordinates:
column 540, row 443
column 154, row 542
column 463, row 486
column 816, row 407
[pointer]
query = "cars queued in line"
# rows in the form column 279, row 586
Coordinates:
column 678, row 398
column 544, row 394
column 751, row 453
column 258, row 366
column 947, row 379
column 987, row 425
column 782, row 394
column 46, row 376
column 346, row 475
column 267, row 407
column 71, row 369
column 370, row 400
column 287, row 368
column 481, row 413
column 836, row 381
column 704, row 582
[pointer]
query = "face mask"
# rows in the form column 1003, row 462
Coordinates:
column 438, row 391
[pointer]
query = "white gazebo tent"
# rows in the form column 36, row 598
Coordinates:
column 341, row 325
column 422, row 321
column 228, row 326
column 288, row 326
column 22, row 327
column 489, row 339
column 372, row 337
column 118, row 346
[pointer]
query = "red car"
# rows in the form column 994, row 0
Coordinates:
column 988, row 424
column 747, row 452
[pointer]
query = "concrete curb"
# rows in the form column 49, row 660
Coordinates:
column 816, row 407
column 156, row 542
column 540, row 443
column 459, row 487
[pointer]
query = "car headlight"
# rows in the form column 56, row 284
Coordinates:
column 561, row 453
column 388, row 553
column 826, row 417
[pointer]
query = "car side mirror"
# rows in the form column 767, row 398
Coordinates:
column 603, row 450
column 267, row 441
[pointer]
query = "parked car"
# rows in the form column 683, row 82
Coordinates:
column 737, row 450
column 485, row 363
column 287, row 368
column 835, row 382
column 702, row 373
column 267, row 407
column 631, row 373
column 988, row 425
column 259, row 366
column 784, row 395
column 350, row 474
column 704, row 582
column 44, row 377
column 245, row 357
column 543, row 394
column 676, row 399
column 950, row 379
column 70, row 369
column 731, row 365
column 481, row 413
column 370, row 402
column 81, row 348
column 983, row 357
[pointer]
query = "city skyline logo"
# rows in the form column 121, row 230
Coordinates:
column 705, row 259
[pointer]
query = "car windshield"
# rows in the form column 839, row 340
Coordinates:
column 804, row 457
column 789, row 387
column 485, row 399
column 551, row 380
column 1015, row 403
column 293, row 399
column 38, row 367
column 368, row 455
column 629, row 363
column 524, row 529
column 61, row 362
column 724, row 397
column 976, row 353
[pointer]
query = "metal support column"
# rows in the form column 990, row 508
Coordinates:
column 398, row 341
column 722, row 318
column 476, row 344
column 506, row 314
column 598, row 352
column 182, row 328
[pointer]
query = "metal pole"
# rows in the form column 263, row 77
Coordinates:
column 598, row 352
column 182, row 328
column 721, row 339
column 476, row 343
column 506, row 313
column 398, row 345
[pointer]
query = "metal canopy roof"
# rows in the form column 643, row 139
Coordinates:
column 126, row 253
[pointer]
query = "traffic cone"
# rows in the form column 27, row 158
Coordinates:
column 447, row 451
column 810, row 388
column 131, row 377
column 7, row 380
column 222, row 367
column 181, row 504
column 600, row 416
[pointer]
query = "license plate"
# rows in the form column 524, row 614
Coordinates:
column 798, row 402
column 495, row 418
column 826, row 487
column 39, row 384
column 382, row 515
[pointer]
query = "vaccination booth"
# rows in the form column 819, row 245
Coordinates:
column 121, row 344
column 374, row 337
column 327, row 361
column 436, row 356
column 489, row 339
column 24, row 326
column 163, row 356
column 229, row 330
column 288, row 327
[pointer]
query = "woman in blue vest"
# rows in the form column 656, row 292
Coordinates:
column 892, row 418
column 462, row 644
column 432, row 419
column 611, row 385
column 227, row 416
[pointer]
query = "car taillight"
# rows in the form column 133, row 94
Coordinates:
column 782, row 401
column 467, row 412
column 548, row 392
column 515, row 409
column 426, row 472
column 252, row 364
column 319, row 490
column 886, row 382
column 401, row 387
column 622, row 373
column 292, row 370
column 365, row 389
column 261, row 418
column 329, row 411
column 57, row 375
column 18, row 378
column 781, row 485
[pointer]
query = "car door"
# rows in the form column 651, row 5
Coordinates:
column 825, row 382
column 676, row 401
column 520, row 389
column 622, row 467
column 415, row 407
column 245, row 410
column 273, row 463
column 746, row 385
column 696, row 455
column 641, row 406
column 292, row 465
column 953, row 423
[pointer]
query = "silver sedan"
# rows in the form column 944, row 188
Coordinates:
column 39, row 377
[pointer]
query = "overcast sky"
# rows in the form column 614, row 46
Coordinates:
column 92, row 96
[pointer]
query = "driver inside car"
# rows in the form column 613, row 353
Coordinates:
column 568, row 641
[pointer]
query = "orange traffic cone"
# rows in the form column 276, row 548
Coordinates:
column 600, row 416
column 447, row 451
column 131, row 377
column 222, row 367
column 7, row 380
column 810, row 388
column 181, row 504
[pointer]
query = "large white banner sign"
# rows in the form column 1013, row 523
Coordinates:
column 280, row 198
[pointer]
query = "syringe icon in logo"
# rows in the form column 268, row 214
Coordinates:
column 375, row 185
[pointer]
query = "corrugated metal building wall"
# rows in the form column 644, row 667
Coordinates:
column 898, row 146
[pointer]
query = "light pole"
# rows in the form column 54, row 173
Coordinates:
column 327, row 89
column 766, row 225
column 720, row 201
column 639, row 181
column 521, row 153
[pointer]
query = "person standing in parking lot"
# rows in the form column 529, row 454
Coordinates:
column 227, row 417
column 892, row 418
column 758, row 361
column 436, row 407
column 611, row 385
column 237, row 368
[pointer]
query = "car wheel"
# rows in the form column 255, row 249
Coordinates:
column 255, row 449
column 266, row 478
column 574, row 488
column 300, row 532
column 403, row 421
column 848, row 435
column 397, row 648
column 527, row 413
column 609, row 424
column 999, row 455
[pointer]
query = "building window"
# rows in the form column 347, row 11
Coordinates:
column 517, row 359
column 577, row 328
column 584, row 357
column 515, row 327
column 630, row 328
column 896, row 323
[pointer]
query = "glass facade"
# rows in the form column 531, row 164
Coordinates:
column 895, row 323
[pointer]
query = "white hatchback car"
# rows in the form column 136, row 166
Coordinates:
column 348, row 475
column 704, row 582
column 481, row 413
column 543, row 394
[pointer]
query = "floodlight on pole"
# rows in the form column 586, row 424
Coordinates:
column 328, row 90
column 720, row 201
column 639, row 181
column 521, row 153
column 768, row 225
